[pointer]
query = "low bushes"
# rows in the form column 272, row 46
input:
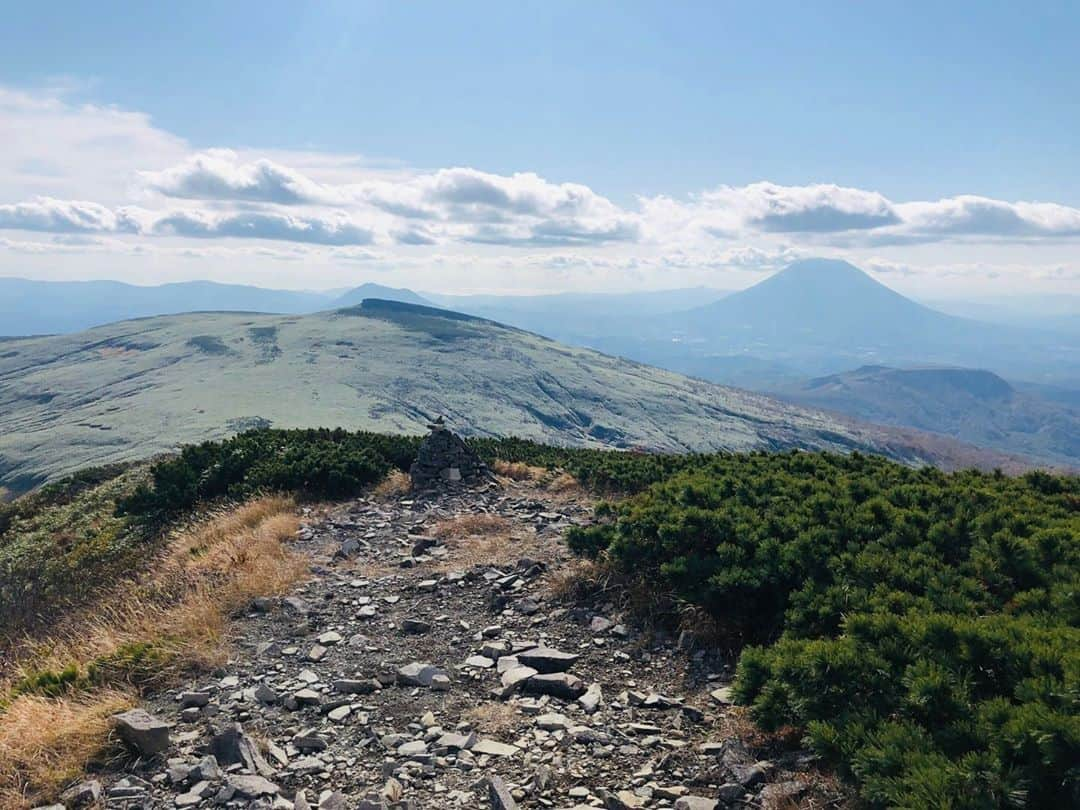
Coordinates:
column 338, row 463
column 61, row 543
column 311, row 463
column 923, row 628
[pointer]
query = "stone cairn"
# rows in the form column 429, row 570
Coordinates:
column 444, row 458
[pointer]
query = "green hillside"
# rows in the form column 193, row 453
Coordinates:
column 137, row 388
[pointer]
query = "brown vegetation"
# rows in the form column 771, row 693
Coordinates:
column 494, row 718
column 175, row 619
column 475, row 525
column 482, row 539
column 46, row 743
column 517, row 470
column 394, row 484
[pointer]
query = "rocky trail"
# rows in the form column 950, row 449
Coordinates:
column 429, row 662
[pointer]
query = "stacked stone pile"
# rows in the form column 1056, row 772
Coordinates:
column 444, row 458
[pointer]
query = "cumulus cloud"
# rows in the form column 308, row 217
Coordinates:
column 65, row 216
column 332, row 230
column 72, row 216
column 819, row 208
column 218, row 174
column 99, row 179
column 518, row 209
column 969, row 215
column 53, row 147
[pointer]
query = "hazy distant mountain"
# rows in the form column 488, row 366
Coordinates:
column 137, row 388
column 59, row 307
column 1055, row 312
column 646, row 302
column 358, row 294
column 971, row 405
column 819, row 316
column 586, row 319
column 822, row 302
column 47, row 307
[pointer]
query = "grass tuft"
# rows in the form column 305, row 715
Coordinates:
column 394, row 484
column 45, row 743
column 142, row 635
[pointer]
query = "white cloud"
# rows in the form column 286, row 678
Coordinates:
column 65, row 216
column 969, row 215
column 104, row 181
column 218, row 174
column 334, row 229
column 463, row 203
column 819, row 208
column 55, row 148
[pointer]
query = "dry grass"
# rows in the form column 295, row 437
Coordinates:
column 494, row 717
column 579, row 580
column 179, row 611
column 47, row 743
column 479, row 524
column 517, row 470
column 183, row 603
column 563, row 484
column 482, row 539
column 493, row 549
column 396, row 483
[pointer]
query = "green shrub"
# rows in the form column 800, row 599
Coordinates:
column 61, row 543
column 922, row 627
column 312, row 463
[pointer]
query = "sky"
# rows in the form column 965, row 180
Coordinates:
column 534, row 147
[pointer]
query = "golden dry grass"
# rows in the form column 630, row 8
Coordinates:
column 579, row 580
column 183, row 603
column 482, row 539
column 44, row 743
column 494, row 717
column 394, row 484
column 477, row 524
column 517, row 470
column 563, row 484
column 181, row 608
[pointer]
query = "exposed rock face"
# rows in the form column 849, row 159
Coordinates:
column 444, row 458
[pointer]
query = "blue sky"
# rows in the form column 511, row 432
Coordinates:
column 639, row 103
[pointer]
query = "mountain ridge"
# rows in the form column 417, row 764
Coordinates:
column 137, row 388
column 971, row 405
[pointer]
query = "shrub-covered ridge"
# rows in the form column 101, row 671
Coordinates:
column 922, row 627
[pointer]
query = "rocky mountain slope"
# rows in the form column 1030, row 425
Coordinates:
column 137, row 388
column 971, row 405
column 430, row 661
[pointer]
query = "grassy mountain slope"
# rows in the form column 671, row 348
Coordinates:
column 133, row 389
column 971, row 405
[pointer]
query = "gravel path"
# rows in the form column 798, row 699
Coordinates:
column 428, row 664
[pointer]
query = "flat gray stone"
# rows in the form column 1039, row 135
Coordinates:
column 545, row 660
column 557, row 684
column 499, row 794
column 250, row 786
column 142, row 731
